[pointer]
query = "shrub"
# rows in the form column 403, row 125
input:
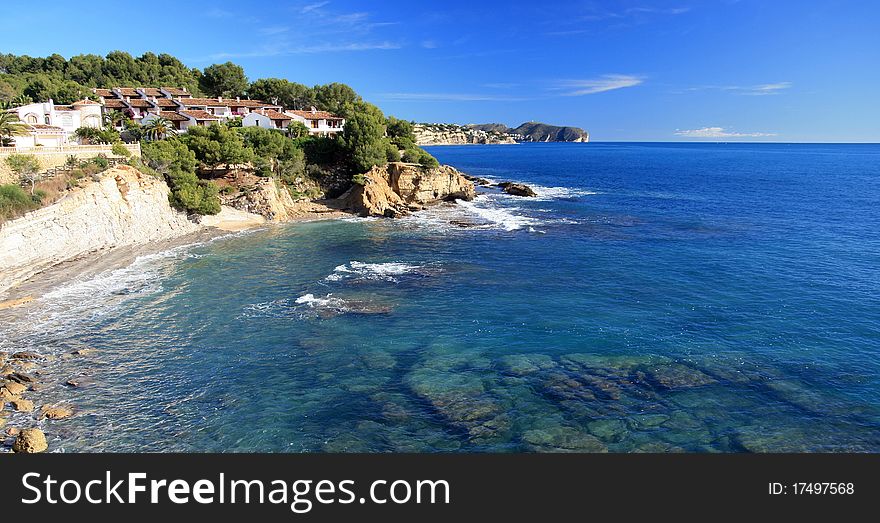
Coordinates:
column 391, row 152
column 359, row 179
column 15, row 201
column 120, row 150
column 26, row 166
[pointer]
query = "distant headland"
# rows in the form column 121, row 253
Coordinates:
column 495, row 133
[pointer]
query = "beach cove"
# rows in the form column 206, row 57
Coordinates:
column 651, row 297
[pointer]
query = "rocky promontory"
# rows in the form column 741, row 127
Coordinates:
column 451, row 134
column 398, row 188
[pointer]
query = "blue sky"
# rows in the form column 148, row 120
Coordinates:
column 725, row 70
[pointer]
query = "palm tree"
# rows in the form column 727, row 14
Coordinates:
column 114, row 118
column 159, row 128
column 10, row 126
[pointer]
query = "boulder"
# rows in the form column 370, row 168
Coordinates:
column 15, row 388
column 562, row 439
column 22, row 405
column 30, row 441
column 678, row 376
column 5, row 395
column 26, row 355
column 517, row 189
column 21, row 377
column 12, row 431
column 55, row 412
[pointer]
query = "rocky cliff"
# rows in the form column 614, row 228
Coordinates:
column 451, row 134
column 494, row 133
column 399, row 188
column 122, row 207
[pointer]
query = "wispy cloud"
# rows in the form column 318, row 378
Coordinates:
column 309, row 49
column 430, row 44
column 608, row 82
column 719, row 132
column 747, row 90
column 450, row 97
column 313, row 7
column 632, row 12
column 274, row 30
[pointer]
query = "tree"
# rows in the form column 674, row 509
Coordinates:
column 177, row 163
column 217, row 145
column 115, row 118
column 92, row 135
column 297, row 129
column 159, row 128
column 282, row 92
column 26, row 166
column 10, row 127
column 363, row 137
column 339, row 99
column 224, row 80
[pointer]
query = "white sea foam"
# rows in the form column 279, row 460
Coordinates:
column 502, row 217
column 554, row 193
column 373, row 271
column 327, row 301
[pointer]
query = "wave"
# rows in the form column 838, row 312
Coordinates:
column 560, row 193
column 502, row 217
column 389, row 271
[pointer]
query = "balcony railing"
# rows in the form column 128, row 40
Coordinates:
column 134, row 148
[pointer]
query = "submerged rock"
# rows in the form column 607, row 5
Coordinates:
column 517, row 189
column 678, row 376
column 22, row 405
column 30, row 441
column 55, row 412
column 560, row 438
column 608, row 429
column 14, row 388
column 525, row 364
column 26, row 355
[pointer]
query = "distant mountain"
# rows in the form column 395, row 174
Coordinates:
column 495, row 133
column 537, row 132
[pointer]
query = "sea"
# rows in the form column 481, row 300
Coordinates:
column 653, row 297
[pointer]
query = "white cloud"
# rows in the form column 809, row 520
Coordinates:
column 608, row 82
column 310, row 49
column 747, row 90
column 718, row 132
column 313, row 7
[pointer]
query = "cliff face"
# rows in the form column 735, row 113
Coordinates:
column 450, row 134
column 541, row 132
column 123, row 207
column 398, row 188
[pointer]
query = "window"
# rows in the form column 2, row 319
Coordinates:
column 47, row 119
column 314, row 124
column 31, row 118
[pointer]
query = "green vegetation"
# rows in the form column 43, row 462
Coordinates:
column 10, row 127
column 120, row 150
column 177, row 163
column 26, row 167
column 14, row 202
column 226, row 80
column 308, row 165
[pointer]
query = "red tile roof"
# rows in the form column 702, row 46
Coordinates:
column 316, row 115
column 106, row 93
column 199, row 115
column 176, row 91
column 86, row 101
column 171, row 115
column 127, row 91
column 227, row 102
column 114, row 103
column 152, row 91
column 140, row 102
column 273, row 114
column 165, row 102
column 45, row 128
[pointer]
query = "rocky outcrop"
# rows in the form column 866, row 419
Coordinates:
column 30, row 441
column 265, row 198
column 399, row 188
column 517, row 189
column 537, row 132
column 451, row 134
column 122, row 207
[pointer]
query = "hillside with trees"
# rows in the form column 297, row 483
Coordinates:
column 190, row 161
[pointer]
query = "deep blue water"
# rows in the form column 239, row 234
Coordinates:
column 654, row 297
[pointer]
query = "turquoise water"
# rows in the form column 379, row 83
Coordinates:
column 654, row 297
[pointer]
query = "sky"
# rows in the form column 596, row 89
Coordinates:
column 718, row 70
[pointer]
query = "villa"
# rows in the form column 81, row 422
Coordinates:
column 319, row 123
column 52, row 125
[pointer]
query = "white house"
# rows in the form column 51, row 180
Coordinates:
column 267, row 118
column 47, row 118
column 319, row 123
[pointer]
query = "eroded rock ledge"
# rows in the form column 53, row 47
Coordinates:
column 399, row 188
